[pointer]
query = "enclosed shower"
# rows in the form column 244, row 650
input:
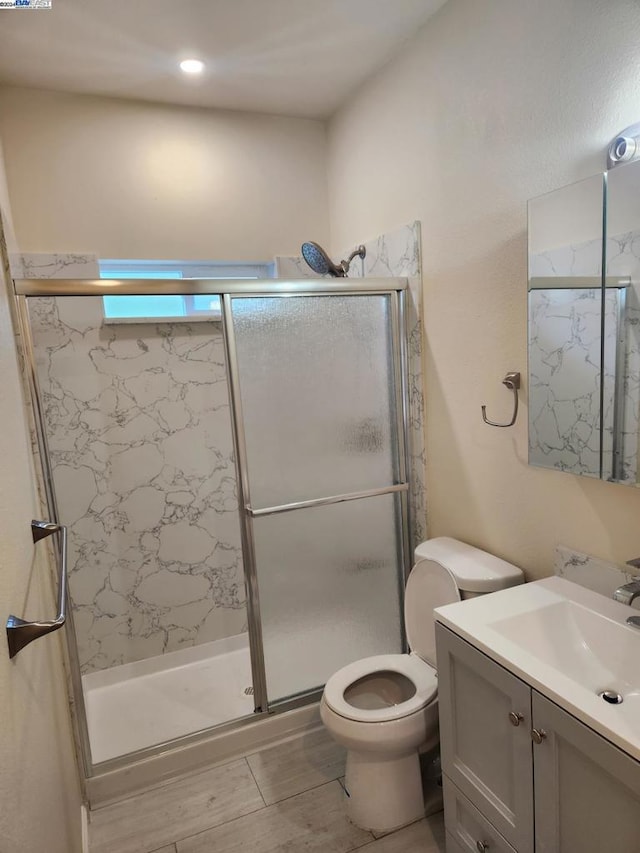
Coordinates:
column 234, row 483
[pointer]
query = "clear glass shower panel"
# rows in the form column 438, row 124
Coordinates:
column 140, row 448
column 329, row 582
column 316, row 382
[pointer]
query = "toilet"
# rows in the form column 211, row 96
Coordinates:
column 384, row 709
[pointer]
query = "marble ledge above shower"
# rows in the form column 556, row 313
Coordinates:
column 54, row 265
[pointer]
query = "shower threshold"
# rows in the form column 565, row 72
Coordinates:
column 142, row 704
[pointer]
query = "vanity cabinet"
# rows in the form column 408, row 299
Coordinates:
column 521, row 774
column 587, row 791
column 485, row 737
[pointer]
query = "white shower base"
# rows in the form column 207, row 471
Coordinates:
column 141, row 704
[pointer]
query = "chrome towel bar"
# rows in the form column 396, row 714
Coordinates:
column 19, row 632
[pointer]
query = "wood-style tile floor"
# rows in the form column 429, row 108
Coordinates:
column 284, row 799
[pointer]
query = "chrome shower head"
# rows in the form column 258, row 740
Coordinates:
column 318, row 260
column 321, row 263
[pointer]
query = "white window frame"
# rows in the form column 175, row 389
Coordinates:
column 125, row 268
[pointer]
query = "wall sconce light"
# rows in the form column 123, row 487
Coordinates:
column 624, row 147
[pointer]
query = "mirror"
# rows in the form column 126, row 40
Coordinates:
column 622, row 327
column 584, row 327
column 565, row 328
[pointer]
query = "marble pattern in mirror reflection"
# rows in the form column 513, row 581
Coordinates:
column 564, row 379
column 569, row 332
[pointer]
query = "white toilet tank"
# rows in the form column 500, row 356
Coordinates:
column 444, row 572
column 475, row 571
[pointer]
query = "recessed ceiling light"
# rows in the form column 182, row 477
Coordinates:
column 192, row 66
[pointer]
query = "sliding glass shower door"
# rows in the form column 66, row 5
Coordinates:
column 316, row 382
column 194, row 460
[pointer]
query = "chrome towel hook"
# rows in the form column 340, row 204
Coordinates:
column 512, row 381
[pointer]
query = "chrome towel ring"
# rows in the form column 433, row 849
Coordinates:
column 512, row 381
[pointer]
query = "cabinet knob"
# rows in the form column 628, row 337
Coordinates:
column 515, row 718
column 482, row 846
column 538, row 735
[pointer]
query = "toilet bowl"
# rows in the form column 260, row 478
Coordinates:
column 384, row 709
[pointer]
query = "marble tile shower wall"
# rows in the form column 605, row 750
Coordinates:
column 293, row 267
column 38, row 265
column 396, row 254
column 140, row 443
column 127, row 609
column 584, row 259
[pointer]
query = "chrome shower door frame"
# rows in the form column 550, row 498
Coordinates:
column 227, row 290
column 398, row 325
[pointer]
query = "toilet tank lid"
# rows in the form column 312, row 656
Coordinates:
column 474, row 570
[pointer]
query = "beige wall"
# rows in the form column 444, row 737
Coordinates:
column 134, row 180
column 492, row 103
column 570, row 215
column 39, row 791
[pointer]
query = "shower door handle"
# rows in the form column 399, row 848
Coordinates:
column 333, row 499
column 19, row 632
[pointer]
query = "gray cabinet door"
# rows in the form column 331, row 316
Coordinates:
column 484, row 754
column 587, row 791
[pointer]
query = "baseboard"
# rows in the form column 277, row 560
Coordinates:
column 84, row 825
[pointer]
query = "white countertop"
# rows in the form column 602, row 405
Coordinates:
column 566, row 642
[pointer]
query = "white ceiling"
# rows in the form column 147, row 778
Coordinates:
column 291, row 57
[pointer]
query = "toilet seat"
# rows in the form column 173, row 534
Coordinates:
column 421, row 674
column 384, row 710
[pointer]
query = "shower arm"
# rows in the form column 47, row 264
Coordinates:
column 321, row 263
column 360, row 252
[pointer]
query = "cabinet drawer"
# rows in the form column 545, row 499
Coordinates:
column 469, row 830
column 452, row 845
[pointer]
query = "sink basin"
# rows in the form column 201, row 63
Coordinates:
column 589, row 648
column 569, row 643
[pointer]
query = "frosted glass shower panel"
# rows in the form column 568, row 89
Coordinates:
column 329, row 590
column 316, row 379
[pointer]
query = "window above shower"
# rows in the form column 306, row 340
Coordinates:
column 172, row 307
